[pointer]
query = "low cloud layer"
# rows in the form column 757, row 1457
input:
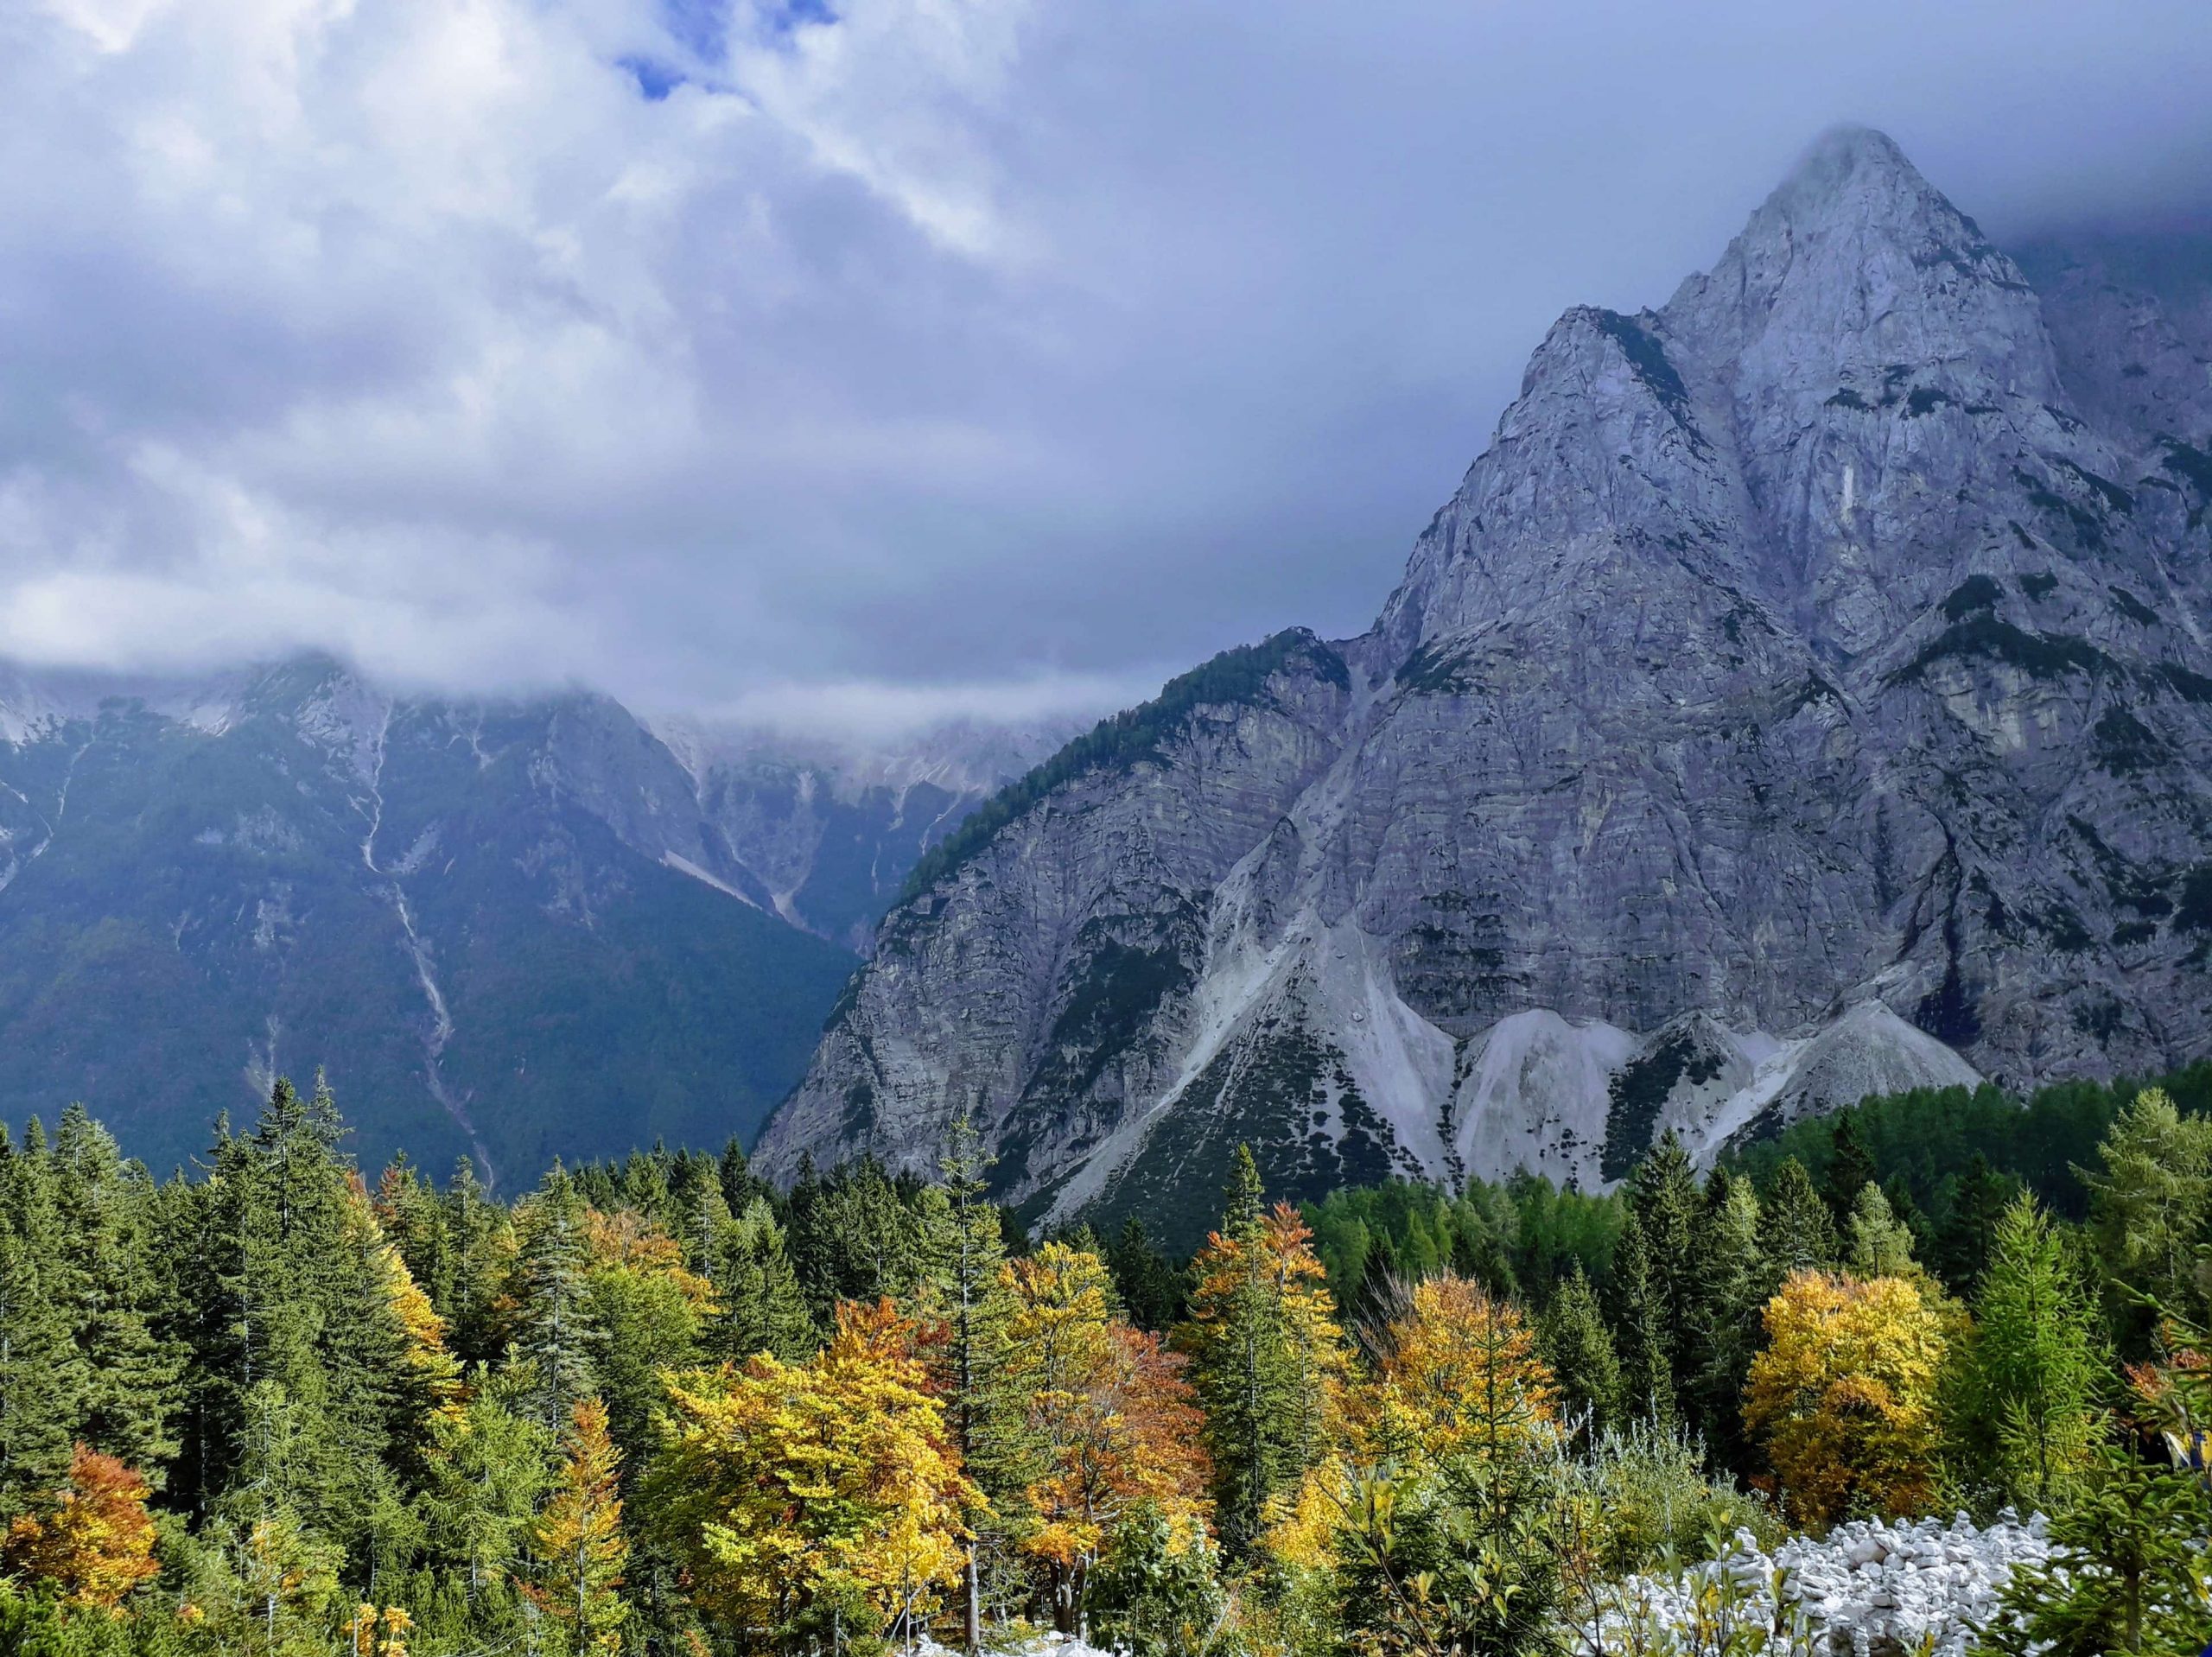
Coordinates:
column 972, row 355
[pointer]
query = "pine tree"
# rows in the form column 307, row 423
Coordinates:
column 1266, row 1355
column 965, row 1294
column 581, row 1548
column 2023, row 1396
column 1576, row 1344
column 1640, row 1331
column 553, row 1330
column 1152, row 1290
column 1796, row 1232
column 1851, row 1169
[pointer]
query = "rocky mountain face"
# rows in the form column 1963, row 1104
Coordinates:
column 1806, row 693
column 514, row 930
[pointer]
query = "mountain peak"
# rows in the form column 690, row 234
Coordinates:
column 1849, row 157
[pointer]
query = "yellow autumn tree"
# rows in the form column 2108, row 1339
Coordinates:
column 801, row 1496
column 1844, row 1394
column 579, row 1538
column 1457, row 1374
column 1110, row 1422
column 92, row 1543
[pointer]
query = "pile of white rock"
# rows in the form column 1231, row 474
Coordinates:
column 1866, row 1588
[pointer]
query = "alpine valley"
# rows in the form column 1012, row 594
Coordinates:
column 1807, row 694
column 517, row 930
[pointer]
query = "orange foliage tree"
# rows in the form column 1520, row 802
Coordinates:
column 1844, row 1394
column 93, row 1542
column 1111, row 1422
column 1457, row 1374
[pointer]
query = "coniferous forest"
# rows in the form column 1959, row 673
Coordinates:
column 279, row 1404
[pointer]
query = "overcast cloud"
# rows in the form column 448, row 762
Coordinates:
column 935, row 355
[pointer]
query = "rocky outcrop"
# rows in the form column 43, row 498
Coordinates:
column 1816, row 658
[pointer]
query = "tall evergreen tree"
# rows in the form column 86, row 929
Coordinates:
column 761, row 1307
column 2022, row 1397
column 1796, row 1232
column 1851, row 1169
column 1730, row 1284
column 963, row 1291
column 1641, row 1334
column 1575, row 1343
column 1267, row 1357
column 1152, row 1289
column 554, row 1333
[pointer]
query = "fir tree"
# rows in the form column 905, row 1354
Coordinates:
column 554, row 1334
column 1577, row 1346
column 1640, row 1332
column 1851, row 1169
column 1796, row 1232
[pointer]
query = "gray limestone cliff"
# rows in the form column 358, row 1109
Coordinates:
column 1806, row 693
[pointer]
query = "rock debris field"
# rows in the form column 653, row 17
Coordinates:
column 1867, row 1587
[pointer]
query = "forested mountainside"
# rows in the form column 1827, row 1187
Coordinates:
column 1807, row 694
column 279, row 1408
column 516, row 931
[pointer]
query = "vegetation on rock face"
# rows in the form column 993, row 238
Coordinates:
column 1131, row 738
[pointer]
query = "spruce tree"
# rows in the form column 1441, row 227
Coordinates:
column 132, row 1372
column 553, row 1330
column 1979, row 1201
column 1851, row 1169
column 1730, row 1286
column 1575, row 1342
column 963, row 1291
column 1875, row 1243
column 1796, row 1232
column 1152, row 1290
column 1641, row 1336
column 760, row 1308
column 1267, row 1357
column 1662, row 1194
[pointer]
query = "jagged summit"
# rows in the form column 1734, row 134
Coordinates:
column 1848, row 159
column 1803, row 691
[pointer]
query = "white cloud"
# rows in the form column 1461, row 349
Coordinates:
column 965, row 355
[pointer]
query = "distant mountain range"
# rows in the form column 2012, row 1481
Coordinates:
column 516, row 929
column 1807, row 692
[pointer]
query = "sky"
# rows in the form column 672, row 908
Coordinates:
column 870, row 362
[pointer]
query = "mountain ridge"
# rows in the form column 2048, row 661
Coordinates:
column 514, row 929
column 1800, row 645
